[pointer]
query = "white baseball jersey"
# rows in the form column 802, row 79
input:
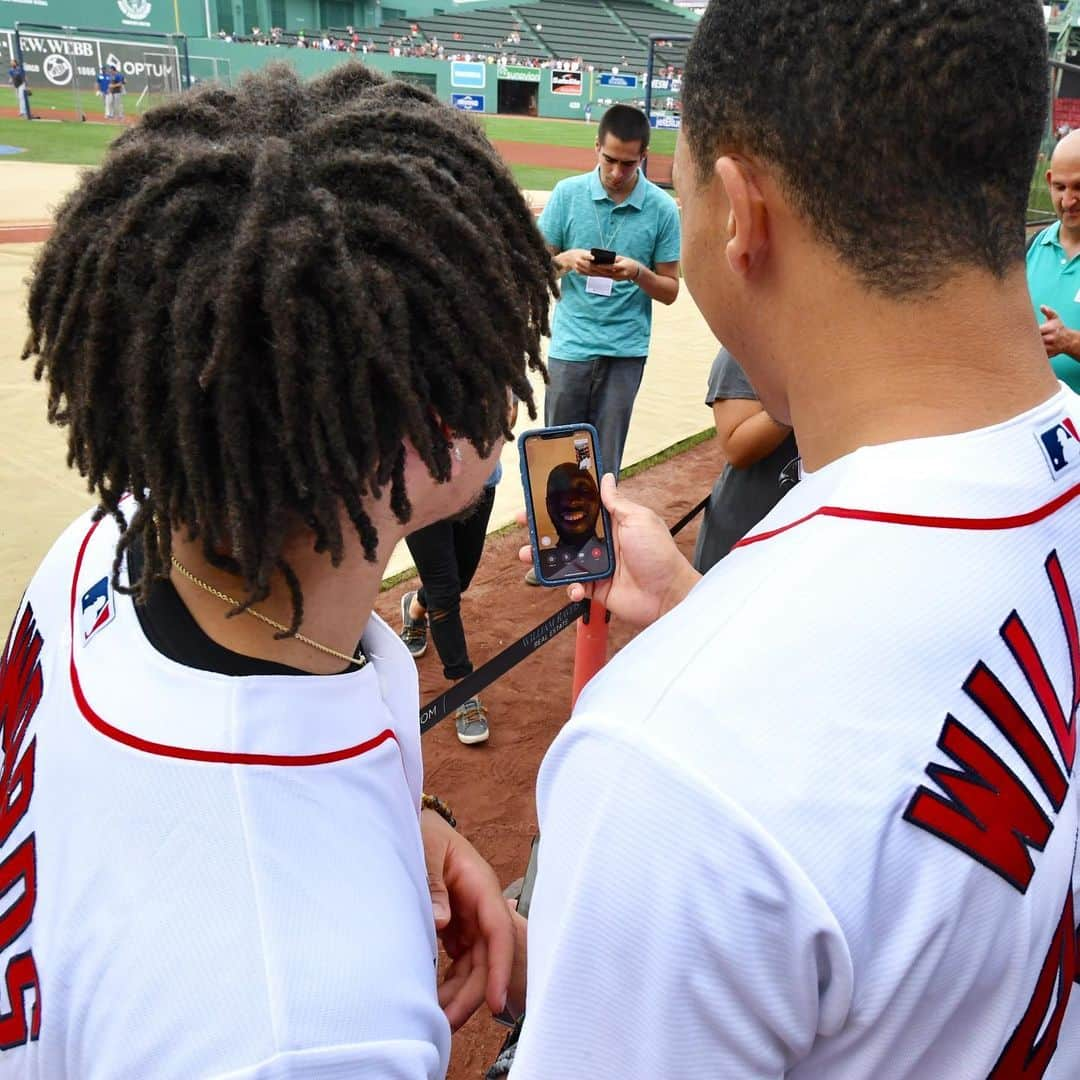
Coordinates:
column 820, row 820
column 205, row 875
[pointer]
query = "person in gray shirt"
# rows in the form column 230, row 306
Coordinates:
column 756, row 450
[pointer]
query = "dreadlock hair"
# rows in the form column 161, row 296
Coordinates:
column 263, row 292
column 904, row 131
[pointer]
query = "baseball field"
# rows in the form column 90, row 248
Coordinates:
column 490, row 786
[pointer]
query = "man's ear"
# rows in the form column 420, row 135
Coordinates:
column 747, row 224
column 1049, row 173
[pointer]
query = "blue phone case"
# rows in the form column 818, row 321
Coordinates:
column 564, row 429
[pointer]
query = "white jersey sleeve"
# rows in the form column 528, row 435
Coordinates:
column 744, row 971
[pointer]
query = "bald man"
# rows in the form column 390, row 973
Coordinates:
column 1053, row 267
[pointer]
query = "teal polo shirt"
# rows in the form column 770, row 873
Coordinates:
column 1054, row 280
column 644, row 227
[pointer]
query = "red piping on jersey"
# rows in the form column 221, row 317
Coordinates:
column 187, row 754
column 921, row 521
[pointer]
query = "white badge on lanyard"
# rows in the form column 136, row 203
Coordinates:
column 599, row 286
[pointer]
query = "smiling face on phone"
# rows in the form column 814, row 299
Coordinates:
column 561, row 477
column 573, row 503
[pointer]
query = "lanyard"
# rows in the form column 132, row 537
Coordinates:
column 609, row 242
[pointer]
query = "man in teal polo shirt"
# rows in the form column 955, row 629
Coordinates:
column 1053, row 265
column 600, row 333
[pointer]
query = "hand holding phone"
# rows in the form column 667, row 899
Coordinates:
column 568, row 525
column 602, row 256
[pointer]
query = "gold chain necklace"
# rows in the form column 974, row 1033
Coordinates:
column 358, row 661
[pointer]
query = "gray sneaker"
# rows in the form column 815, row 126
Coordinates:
column 413, row 631
column 471, row 722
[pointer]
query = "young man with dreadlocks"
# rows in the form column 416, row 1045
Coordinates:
column 211, row 823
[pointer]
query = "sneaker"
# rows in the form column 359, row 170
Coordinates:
column 530, row 576
column 413, row 631
column 471, row 722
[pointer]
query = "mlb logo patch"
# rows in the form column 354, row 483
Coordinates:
column 98, row 608
column 1060, row 445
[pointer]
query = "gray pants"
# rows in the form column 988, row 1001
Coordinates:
column 600, row 392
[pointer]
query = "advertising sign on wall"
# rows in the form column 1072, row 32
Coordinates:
column 518, row 73
column 468, row 102
column 630, row 81
column 469, row 76
column 665, row 123
column 63, row 61
column 565, row 81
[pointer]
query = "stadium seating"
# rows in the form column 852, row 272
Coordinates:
column 603, row 34
column 485, row 31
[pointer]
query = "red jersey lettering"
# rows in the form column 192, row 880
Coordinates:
column 21, row 687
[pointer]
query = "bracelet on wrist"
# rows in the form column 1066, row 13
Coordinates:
column 638, row 274
column 433, row 802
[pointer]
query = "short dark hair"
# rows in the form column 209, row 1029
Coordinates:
column 905, row 131
column 627, row 124
column 298, row 279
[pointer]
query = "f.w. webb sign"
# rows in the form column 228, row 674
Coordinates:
column 64, row 61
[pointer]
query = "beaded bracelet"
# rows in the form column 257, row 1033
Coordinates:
column 433, row 802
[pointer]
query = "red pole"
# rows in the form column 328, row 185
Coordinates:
column 590, row 651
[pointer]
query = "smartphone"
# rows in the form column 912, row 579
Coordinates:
column 568, row 525
column 602, row 257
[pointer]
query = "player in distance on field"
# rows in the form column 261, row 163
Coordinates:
column 820, row 818
column 212, row 815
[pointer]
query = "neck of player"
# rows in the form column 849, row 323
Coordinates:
column 966, row 357
column 337, row 601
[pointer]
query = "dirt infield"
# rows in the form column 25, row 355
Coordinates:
column 491, row 787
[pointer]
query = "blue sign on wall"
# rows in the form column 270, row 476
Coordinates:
column 665, row 123
column 468, row 102
column 468, row 75
column 608, row 79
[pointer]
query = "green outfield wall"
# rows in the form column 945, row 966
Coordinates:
column 474, row 87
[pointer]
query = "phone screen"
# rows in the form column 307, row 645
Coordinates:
column 564, row 496
column 602, row 257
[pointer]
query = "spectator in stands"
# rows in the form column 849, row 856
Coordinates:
column 17, row 78
column 756, row 449
column 1053, row 265
column 600, row 334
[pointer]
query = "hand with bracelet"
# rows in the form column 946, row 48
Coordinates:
column 471, row 920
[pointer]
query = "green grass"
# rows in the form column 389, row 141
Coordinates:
column 85, row 144
column 539, row 177
column 47, row 98
column 559, row 133
column 72, row 144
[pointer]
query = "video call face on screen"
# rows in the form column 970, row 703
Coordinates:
column 564, row 496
